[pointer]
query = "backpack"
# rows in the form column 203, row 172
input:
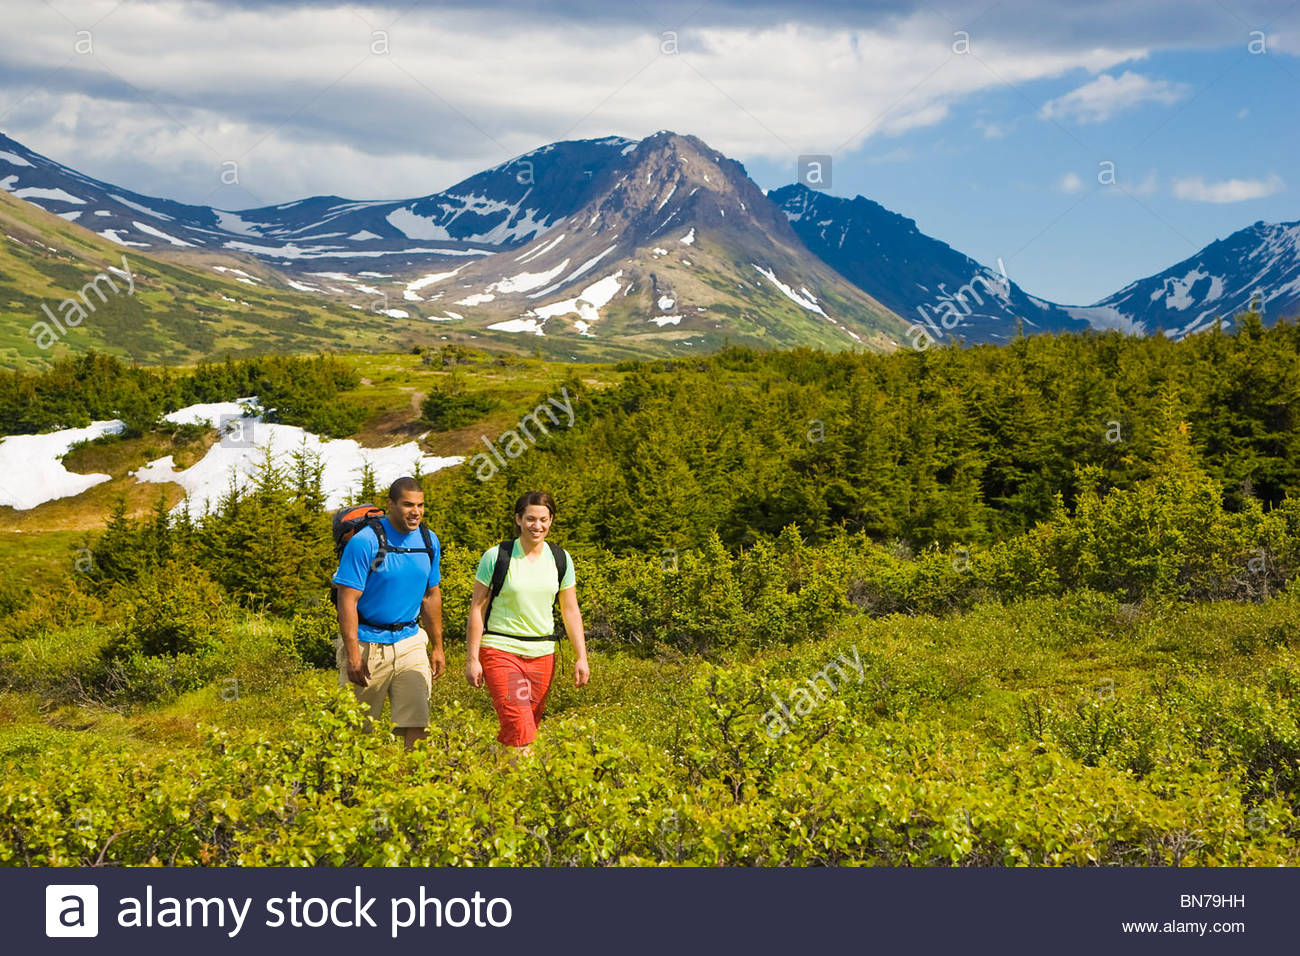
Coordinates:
column 346, row 523
column 499, row 571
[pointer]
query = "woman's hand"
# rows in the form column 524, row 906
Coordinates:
column 474, row 672
column 581, row 671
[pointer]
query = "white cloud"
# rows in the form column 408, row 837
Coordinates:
column 1287, row 41
column 1104, row 97
column 1228, row 190
column 1149, row 184
column 1070, row 183
column 1126, row 187
column 992, row 129
column 462, row 90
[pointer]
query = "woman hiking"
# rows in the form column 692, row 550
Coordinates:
column 510, row 636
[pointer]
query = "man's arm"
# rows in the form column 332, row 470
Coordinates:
column 431, row 616
column 358, row 670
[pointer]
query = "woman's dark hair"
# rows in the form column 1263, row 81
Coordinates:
column 534, row 498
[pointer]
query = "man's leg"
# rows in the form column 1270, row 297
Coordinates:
column 372, row 695
column 410, row 687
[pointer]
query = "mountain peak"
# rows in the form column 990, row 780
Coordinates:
column 1260, row 263
column 676, row 241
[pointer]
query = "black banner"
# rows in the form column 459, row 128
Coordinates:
column 649, row 910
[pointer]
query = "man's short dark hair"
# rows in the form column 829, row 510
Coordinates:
column 401, row 485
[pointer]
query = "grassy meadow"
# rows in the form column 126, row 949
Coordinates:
column 842, row 610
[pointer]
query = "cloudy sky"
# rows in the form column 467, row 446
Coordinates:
column 1085, row 144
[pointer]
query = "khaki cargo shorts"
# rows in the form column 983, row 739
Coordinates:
column 399, row 673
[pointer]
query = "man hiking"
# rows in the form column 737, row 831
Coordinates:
column 387, row 585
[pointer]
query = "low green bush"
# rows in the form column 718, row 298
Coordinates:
column 173, row 609
column 444, row 409
column 313, row 629
column 839, row 792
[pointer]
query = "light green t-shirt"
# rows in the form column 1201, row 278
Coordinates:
column 524, row 604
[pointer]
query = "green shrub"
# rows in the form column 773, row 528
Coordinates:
column 444, row 409
column 142, row 678
column 779, row 591
column 173, row 609
column 313, row 630
column 67, row 602
column 62, row 665
column 899, row 794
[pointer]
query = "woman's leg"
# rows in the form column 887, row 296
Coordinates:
column 540, row 670
column 508, row 682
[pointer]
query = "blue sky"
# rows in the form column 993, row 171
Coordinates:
column 991, row 180
column 986, row 122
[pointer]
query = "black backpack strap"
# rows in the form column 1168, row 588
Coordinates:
column 377, row 526
column 561, row 568
column 561, row 564
column 395, row 626
column 499, row 571
column 505, row 550
column 428, row 543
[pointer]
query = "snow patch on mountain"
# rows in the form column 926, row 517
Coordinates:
column 1104, row 317
column 526, row 281
column 37, row 192
column 139, row 207
column 415, row 285
column 542, row 250
column 804, row 300
column 159, row 234
column 518, row 325
column 586, row 304
column 112, row 236
column 1176, row 291
column 416, row 227
column 232, row 222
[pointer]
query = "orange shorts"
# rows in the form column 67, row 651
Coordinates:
column 518, row 686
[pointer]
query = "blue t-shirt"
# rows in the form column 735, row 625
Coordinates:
column 393, row 591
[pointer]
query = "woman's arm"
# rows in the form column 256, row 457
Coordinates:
column 474, row 633
column 573, row 625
